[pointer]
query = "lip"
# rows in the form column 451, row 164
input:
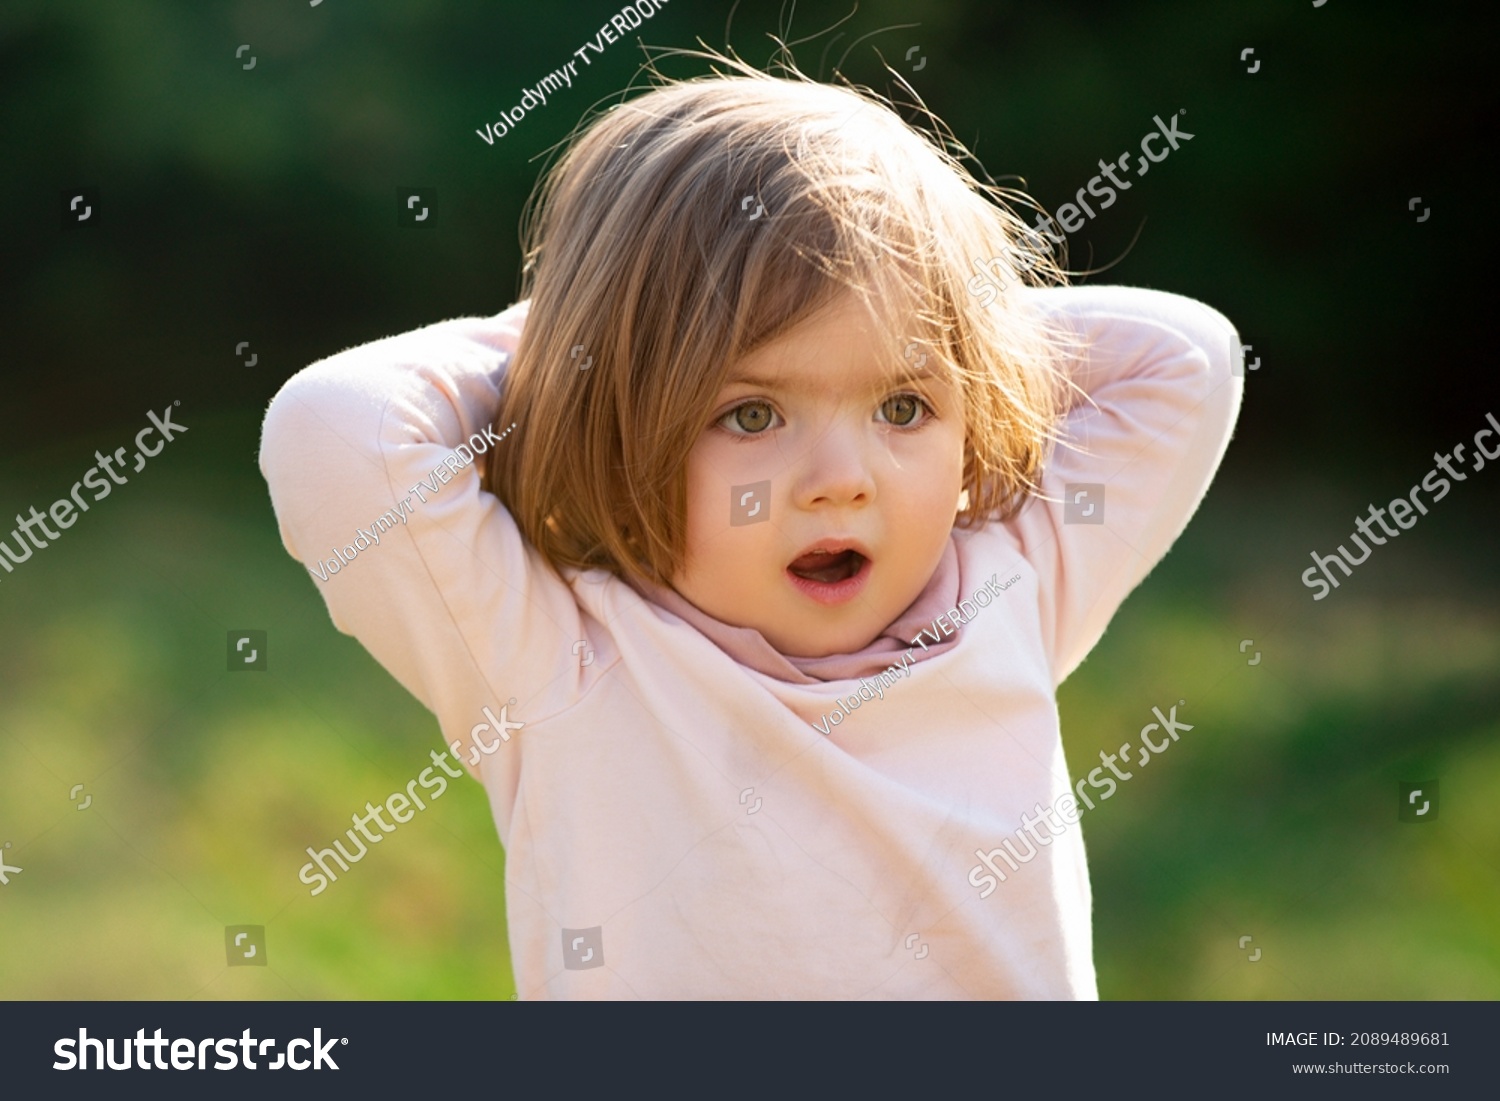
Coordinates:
column 833, row 543
column 838, row 592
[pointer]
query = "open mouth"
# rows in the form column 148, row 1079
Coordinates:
column 828, row 567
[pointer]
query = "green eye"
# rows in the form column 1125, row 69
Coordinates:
column 902, row 409
column 751, row 418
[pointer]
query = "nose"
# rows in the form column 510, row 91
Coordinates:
column 836, row 469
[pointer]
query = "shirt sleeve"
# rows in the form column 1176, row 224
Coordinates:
column 1135, row 457
column 426, row 568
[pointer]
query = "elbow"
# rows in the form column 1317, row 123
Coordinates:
column 1220, row 341
column 1217, row 386
column 298, row 425
column 1219, row 358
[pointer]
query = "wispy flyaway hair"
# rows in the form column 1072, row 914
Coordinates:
column 685, row 228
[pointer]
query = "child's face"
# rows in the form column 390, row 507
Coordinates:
column 851, row 459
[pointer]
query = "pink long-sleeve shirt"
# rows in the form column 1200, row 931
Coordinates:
column 676, row 822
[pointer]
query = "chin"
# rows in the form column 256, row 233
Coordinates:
column 828, row 644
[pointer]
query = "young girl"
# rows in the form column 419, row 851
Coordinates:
column 769, row 523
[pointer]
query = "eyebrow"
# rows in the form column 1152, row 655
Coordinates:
column 911, row 374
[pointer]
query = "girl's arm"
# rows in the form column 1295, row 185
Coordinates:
column 413, row 558
column 1135, row 458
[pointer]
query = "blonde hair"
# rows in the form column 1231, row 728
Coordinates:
column 641, row 247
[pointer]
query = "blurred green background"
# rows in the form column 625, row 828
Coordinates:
column 259, row 205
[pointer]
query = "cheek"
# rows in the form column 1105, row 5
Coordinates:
column 944, row 473
column 945, row 461
column 703, row 485
column 693, row 514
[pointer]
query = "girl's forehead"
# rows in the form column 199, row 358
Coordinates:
column 841, row 347
column 839, row 321
column 867, row 315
